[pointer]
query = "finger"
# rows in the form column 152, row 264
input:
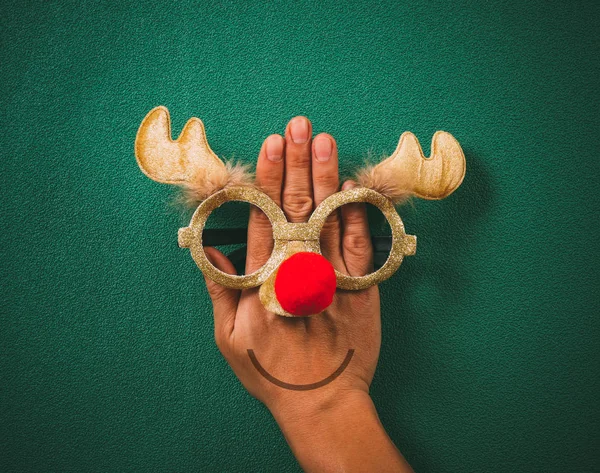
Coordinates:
column 325, row 180
column 297, row 186
column 269, row 178
column 356, row 242
column 224, row 299
column 324, row 167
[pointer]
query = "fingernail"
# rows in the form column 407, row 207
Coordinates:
column 323, row 148
column 348, row 185
column 299, row 130
column 274, row 148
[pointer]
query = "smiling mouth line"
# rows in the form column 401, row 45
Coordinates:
column 300, row 387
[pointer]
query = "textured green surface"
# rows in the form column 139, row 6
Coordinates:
column 490, row 333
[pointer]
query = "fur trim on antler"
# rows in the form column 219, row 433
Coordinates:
column 198, row 188
column 372, row 177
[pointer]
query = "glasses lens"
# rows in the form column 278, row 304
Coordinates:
column 227, row 229
column 356, row 239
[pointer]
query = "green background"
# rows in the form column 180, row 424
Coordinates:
column 490, row 356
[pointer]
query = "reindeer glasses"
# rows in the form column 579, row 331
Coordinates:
column 190, row 163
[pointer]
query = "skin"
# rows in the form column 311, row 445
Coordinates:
column 334, row 428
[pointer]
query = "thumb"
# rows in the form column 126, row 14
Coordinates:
column 224, row 299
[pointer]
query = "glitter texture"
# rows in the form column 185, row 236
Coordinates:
column 188, row 161
column 290, row 238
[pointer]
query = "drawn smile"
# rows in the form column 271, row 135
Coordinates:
column 300, row 387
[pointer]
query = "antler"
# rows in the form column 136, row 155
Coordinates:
column 407, row 172
column 188, row 161
column 179, row 161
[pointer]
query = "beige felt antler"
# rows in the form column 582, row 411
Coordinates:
column 407, row 172
column 188, row 161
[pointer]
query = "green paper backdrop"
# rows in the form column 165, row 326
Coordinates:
column 490, row 356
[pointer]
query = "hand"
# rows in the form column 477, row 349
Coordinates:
column 298, row 174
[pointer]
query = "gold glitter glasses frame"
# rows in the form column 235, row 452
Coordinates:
column 284, row 233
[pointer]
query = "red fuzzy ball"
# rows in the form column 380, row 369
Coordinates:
column 305, row 284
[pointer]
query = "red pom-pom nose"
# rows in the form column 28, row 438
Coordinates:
column 305, row 284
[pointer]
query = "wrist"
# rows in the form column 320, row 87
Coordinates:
column 298, row 411
column 341, row 434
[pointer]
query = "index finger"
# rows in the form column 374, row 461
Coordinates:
column 269, row 179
